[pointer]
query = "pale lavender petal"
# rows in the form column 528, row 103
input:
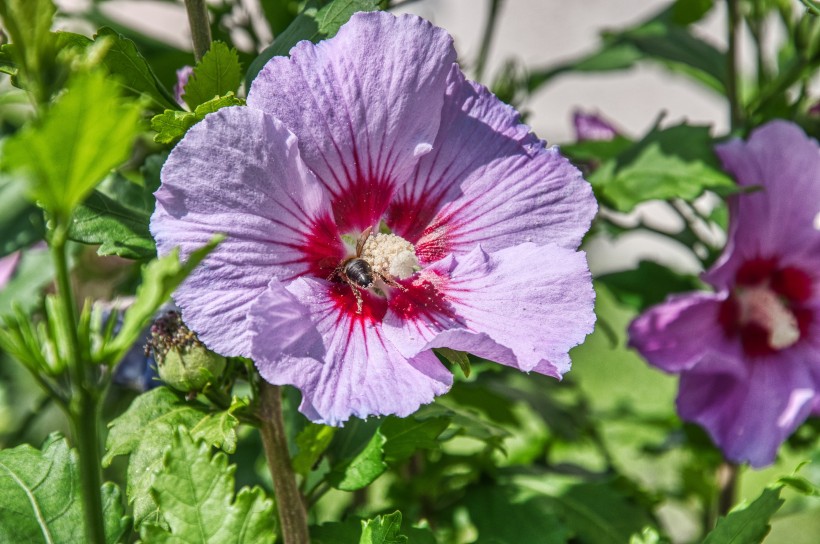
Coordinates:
column 8, row 265
column 238, row 172
column 364, row 104
column 489, row 181
column 748, row 416
column 779, row 219
column 360, row 374
column 675, row 335
column 183, row 75
column 523, row 306
column 592, row 126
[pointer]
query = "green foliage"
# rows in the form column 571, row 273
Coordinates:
column 750, row 522
column 312, row 24
column 25, row 290
column 312, row 442
column 676, row 162
column 145, row 432
column 123, row 60
column 159, row 279
column 40, row 498
column 455, row 357
column 383, row 530
column 361, row 468
column 118, row 229
column 33, row 55
column 663, row 38
column 217, row 74
column 506, row 515
column 648, row 284
column 88, row 131
column 21, row 222
column 171, row 125
column 195, row 492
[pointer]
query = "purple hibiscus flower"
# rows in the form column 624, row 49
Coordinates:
column 473, row 224
column 749, row 354
column 183, row 75
column 592, row 126
column 8, row 265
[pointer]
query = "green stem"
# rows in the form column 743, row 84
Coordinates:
column 200, row 27
column 487, row 38
column 727, row 474
column 732, row 91
column 289, row 501
column 83, row 406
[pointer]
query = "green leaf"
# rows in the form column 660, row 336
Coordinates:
column 219, row 429
column 596, row 150
column 686, row 12
column 159, row 279
column 405, row 436
column 172, row 125
column 195, row 492
column 21, row 222
column 87, row 132
column 119, row 230
column 454, row 357
column 617, row 57
column 602, row 512
column 648, row 284
column 40, row 496
column 679, row 50
column 28, row 24
column 217, row 74
column 311, row 24
column 145, row 432
column 362, row 469
column 34, row 272
column 115, row 522
column 661, row 38
column 383, row 530
column 312, row 442
column 749, row 522
column 503, row 514
column 123, row 60
column 677, row 162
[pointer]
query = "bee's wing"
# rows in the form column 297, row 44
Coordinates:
column 362, row 239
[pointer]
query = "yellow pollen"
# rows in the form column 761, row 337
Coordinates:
column 762, row 306
column 390, row 256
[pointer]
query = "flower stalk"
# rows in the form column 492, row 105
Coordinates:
column 289, row 501
column 200, row 27
column 732, row 90
column 487, row 38
column 83, row 407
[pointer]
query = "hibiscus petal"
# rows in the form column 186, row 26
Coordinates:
column 365, row 105
column 748, row 416
column 777, row 220
column 523, row 306
column 488, row 180
column 238, row 172
column 675, row 335
column 340, row 360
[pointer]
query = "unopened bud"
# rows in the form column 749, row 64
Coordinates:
column 183, row 362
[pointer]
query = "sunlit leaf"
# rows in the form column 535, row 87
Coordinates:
column 172, row 125
column 88, row 131
column 40, row 496
column 217, row 74
column 195, row 492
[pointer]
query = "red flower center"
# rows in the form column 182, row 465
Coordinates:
column 766, row 308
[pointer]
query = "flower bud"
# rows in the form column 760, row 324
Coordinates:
column 183, row 362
